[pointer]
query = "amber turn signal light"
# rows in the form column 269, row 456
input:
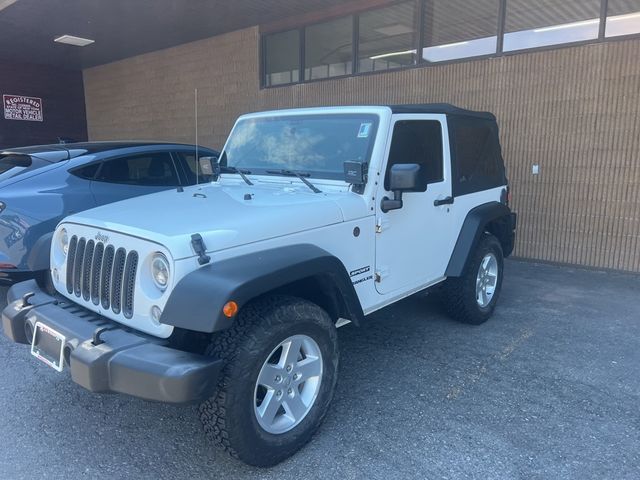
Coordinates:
column 230, row 309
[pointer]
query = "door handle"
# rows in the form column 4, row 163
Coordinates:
column 443, row 201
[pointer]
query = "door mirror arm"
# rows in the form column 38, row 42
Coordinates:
column 394, row 203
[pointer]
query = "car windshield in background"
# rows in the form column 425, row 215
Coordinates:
column 317, row 145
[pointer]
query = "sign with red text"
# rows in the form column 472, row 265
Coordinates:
column 19, row 107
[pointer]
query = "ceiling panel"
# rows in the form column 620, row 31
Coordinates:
column 123, row 28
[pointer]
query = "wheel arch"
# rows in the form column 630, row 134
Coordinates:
column 39, row 254
column 492, row 217
column 303, row 270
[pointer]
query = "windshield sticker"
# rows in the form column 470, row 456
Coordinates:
column 365, row 128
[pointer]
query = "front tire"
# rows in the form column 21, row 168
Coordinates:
column 472, row 297
column 281, row 361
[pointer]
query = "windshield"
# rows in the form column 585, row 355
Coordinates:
column 317, row 145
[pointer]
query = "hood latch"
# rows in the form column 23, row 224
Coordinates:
column 199, row 247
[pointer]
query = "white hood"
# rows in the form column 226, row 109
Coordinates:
column 224, row 214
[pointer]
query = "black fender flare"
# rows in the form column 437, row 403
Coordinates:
column 197, row 300
column 472, row 229
column 39, row 256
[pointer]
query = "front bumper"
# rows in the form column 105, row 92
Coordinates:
column 104, row 356
column 9, row 277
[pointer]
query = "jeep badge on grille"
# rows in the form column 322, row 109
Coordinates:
column 102, row 238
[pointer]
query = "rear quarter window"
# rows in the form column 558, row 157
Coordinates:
column 87, row 172
column 477, row 157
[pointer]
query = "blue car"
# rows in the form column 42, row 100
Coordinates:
column 41, row 185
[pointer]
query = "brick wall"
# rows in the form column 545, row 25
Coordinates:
column 151, row 96
column 573, row 111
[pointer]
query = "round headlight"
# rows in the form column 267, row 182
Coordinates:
column 64, row 241
column 160, row 271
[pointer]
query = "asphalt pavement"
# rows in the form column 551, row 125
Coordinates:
column 549, row 388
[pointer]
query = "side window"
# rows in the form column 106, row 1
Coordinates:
column 87, row 172
column 417, row 141
column 148, row 169
column 192, row 169
column 477, row 157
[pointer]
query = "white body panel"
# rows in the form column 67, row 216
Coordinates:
column 414, row 244
column 234, row 219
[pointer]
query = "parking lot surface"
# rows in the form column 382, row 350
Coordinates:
column 548, row 388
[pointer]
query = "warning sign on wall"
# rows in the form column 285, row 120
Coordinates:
column 19, row 107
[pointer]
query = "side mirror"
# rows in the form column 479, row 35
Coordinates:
column 403, row 177
column 209, row 167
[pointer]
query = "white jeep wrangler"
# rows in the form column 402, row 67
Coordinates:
column 230, row 293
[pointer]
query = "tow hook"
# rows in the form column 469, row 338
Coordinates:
column 25, row 299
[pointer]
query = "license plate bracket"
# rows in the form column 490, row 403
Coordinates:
column 47, row 346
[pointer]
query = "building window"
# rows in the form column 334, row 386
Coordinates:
column 539, row 23
column 328, row 50
column 282, row 58
column 387, row 37
column 458, row 29
column 623, row 17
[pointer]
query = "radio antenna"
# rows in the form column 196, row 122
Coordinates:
column 197, row 158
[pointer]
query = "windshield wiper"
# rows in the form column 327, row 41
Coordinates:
column 227, row 169
column 300, row 175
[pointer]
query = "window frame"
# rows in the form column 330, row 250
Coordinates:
column 413, row 118
column 421, row 62
column 136, row 154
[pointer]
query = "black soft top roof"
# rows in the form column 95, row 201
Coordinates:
column 476, row 155
column 445, row 108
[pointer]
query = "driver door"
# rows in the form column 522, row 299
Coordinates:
column 415, row 242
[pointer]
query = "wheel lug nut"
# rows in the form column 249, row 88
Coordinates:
column 289, row 391
column 279, row 393
column 288, row 368
column 278, row 378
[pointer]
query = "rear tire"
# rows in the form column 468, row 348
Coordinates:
column 251, row 350
column 472, row 297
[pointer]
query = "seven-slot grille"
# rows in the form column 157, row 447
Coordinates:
column 102, row 274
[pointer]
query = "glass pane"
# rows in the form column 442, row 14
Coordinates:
column 417, row 141
column 282, row 58
column 538, row 23
column 387, row 38
column 458, row 29
column 315, row 144
column 155, row 169
column 328, row 49
column 623, row 17
column 193, row 170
